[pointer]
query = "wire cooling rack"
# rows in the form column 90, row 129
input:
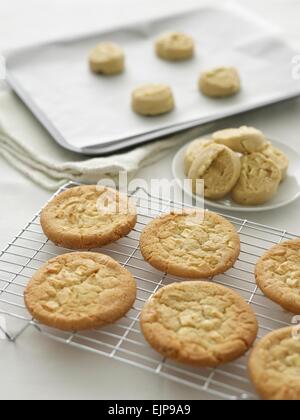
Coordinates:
column 123, row 341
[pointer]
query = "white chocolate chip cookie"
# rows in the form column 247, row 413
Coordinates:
column 192, row 244
column 220, row 82
column 199, row 323
column 219, row 167
column 259, row 180
column 88, row 217
column 107, row 58
column 175, row 46
column 193, row 151
column 152, row 100
column 274, row 366
column 242, row 140
column 278, row 275
column 279, row 158
column 80, row 291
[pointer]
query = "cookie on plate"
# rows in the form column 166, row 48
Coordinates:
column 80, row 291
column 107, row 58
column 274, row 365
column 279, row 158
column 259, row 180
column 220, row 82
column 220, row 169
column 175, row 46
column 193, row 151
column 152, row 100
column 243, row 140
column 199, row 323
column 88, row 217
column 191, row 244
column 278, row 275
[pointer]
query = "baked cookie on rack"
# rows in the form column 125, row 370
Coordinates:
column 175, row 46
column 107, row 58
column 80, row 291
column 278, row 275
column 274, row 365
column 88, row 217
column 220, row 169
column 199, row 323
column 191, row 244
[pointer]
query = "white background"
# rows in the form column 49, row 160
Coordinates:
column 39, row 368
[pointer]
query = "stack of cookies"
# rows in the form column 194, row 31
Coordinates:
column 240, row 162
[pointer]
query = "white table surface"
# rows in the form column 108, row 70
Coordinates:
column 36, row 367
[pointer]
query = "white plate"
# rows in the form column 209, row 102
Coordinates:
column 288, row 192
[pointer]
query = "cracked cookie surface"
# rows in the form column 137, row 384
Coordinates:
column 80, row 291
column 274, row 365
column 199, row 323
column 278, row 275
column 88, row 217
column 191, row 244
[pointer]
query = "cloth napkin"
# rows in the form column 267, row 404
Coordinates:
column 30, row 149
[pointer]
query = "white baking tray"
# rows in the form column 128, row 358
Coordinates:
column 91, row 114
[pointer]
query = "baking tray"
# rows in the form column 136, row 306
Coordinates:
column 123, row 341
column 91, row 114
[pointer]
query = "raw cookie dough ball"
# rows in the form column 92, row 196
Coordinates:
column 242, row 140
column 219, row 167
column 107, row 58
column 220, row 82
column 175, row 46
column 259, row 180
column 193, row 151
column 151, row 100
column 279, row 158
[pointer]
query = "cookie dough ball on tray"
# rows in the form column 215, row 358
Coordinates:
column 242, row 140
column 220, row 169
column 153, row 100
column 220, row 82
column 175, row 46
column 107, row 58
column 259, row 180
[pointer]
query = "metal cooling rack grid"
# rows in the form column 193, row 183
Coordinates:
column 123, row 341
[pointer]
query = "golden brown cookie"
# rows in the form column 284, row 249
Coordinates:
column 80, row 291
column 220, row 169
column 279, row 158
column 242, row 140
column 88, row 217
column 191, row 244
column 107, row 58
column 152, row 100
column 259, row 180
column 193, row 151
column 274, row 365
column 278, row 275
column 175, row 46
column 199, row 323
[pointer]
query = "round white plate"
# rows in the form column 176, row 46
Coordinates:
column 288, row 192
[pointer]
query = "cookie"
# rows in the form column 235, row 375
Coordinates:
column 107, row 58
column 219, row 167
column 259, row 180
column 80, row 291
column 88, row 217
column 242, row 140
column 274, row 366
column 279, row 158
column 220, row 82
column 192, row 152
column 175, row 46
column 278, row 275
column 199, row 323
column 153, row 100
column 191, row 244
